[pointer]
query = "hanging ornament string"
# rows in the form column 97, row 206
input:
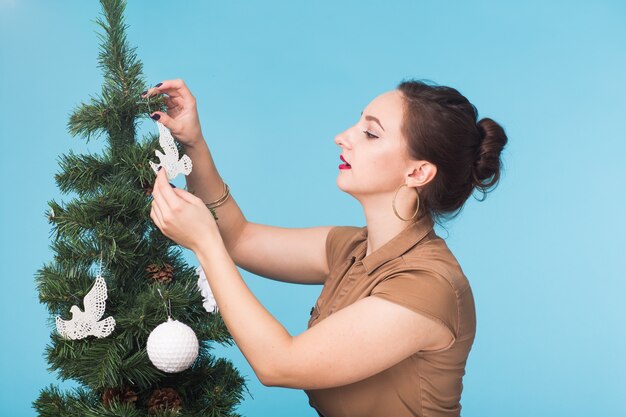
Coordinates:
column 156, row 99
column 100, row 267
column 148, row 104
column 168, row 311
column 99, row 275
column 145, row 101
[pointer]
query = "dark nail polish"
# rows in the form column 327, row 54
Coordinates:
column 159, row 168
column 144, row 93
column 156, row 116
column 159, row 85
column 173, row 186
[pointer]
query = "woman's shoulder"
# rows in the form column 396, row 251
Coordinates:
column 347, row 231
column 340, row 237
column 431, row 272
column 434, row 255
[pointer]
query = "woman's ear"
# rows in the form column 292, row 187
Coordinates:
column 422, row 173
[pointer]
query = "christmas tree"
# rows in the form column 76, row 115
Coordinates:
column 107, row 227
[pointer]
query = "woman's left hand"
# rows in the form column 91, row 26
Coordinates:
column 180, row 215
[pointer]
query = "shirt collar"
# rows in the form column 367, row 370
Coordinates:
column 394, row 248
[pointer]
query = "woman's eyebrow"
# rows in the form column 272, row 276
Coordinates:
column 368, row 117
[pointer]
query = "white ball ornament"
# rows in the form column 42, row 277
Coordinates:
column 172, row 346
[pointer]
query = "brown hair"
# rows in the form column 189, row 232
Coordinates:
column 440, row 126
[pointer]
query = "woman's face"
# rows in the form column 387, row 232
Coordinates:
column 375, row 148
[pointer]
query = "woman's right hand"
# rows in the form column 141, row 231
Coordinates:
column 182, row 115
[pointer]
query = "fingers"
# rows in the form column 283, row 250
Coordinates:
column 151, row 92
column 187, row 196
column 173, row 88
column 163, row 192
column 167, row 199
column 156, row 215
column 172, row 124
column 160, row 209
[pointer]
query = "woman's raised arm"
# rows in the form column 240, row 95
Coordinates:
column 204, row 181
column 296, row 255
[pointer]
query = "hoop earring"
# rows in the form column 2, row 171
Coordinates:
column 393, row 204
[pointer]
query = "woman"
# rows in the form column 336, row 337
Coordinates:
column 393, row 326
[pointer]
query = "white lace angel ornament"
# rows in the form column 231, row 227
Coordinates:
column 88, row 323
column 173, row 166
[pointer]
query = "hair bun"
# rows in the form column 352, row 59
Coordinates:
column 487, row 166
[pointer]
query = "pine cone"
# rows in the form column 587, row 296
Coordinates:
column 161, row 274
column 121, row 395
column 164, row 399
column 146, row 187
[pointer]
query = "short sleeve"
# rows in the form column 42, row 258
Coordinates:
column 424, row 292
column 339, row 243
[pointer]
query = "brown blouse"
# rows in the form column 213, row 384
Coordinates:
column 417, row 270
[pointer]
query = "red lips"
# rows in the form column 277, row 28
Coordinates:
column 346, row 165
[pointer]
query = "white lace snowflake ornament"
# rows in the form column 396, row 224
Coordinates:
column 88, row 323
column 173, row 166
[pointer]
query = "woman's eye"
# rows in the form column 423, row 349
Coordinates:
column 369, row 135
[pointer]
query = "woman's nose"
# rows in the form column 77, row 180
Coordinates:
column 342, row 140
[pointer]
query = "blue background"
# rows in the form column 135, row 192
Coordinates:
column 276, row 81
